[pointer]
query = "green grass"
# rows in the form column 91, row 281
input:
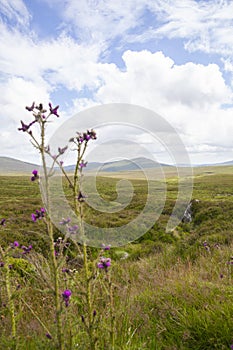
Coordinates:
column 170, row 292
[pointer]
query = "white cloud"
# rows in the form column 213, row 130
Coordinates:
column 16, row 11
column 153, row 79
column 58, row 61
column 99, row 20
column 189, row 95
column 206, row 25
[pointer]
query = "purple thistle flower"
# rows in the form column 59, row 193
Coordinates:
column 104, row 263
column 30, row 109
column 35, row 175
column 106, row 247
column 25, row 127
column 231, row 346
column 34, row 217
column 86, row 136
column 66, row 296
column 2, row 264
column 62, row 150
column 92, row 134
column 41, row 108
column 73, row 229
column 39, row 214
column 53, row 110
column 64, row 221
column 79, row 138
column 48, row 336
column 26, row 250
column 65, row 270
column 16, row 244
column 82, row 164
column 3, row 222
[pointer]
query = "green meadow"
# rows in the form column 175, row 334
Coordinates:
column 172, row 291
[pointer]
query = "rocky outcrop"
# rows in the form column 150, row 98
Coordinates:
column 188, row 214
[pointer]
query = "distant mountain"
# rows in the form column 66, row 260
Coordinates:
column 121, row 165
column 130, row 165
column 229, row 162
column 14, row 166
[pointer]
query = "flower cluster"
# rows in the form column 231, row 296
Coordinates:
column 35, row 175
column 26, row 250
column 38, row 215
column 38, row 114
column 71, row 229
column 84, row 137
column 208, row 247
column 66, row 296
column 104, row 263
column 59, row 245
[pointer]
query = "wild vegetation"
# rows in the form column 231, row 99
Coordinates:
column 161, row 291
column 171, row 291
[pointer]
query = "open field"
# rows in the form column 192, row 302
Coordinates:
column 169, row 172
column 172, row 290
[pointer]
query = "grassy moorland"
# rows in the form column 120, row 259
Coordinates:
column 171, row 291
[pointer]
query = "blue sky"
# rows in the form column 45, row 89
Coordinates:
column 173, row 57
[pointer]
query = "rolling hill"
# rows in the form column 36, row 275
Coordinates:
column 12, row 166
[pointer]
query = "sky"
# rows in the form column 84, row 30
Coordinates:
column 174, row 57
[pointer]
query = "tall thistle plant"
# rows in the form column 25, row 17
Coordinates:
column 61, row 296
column 40, row 118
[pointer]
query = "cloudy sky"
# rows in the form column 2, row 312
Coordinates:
column 174, row 57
